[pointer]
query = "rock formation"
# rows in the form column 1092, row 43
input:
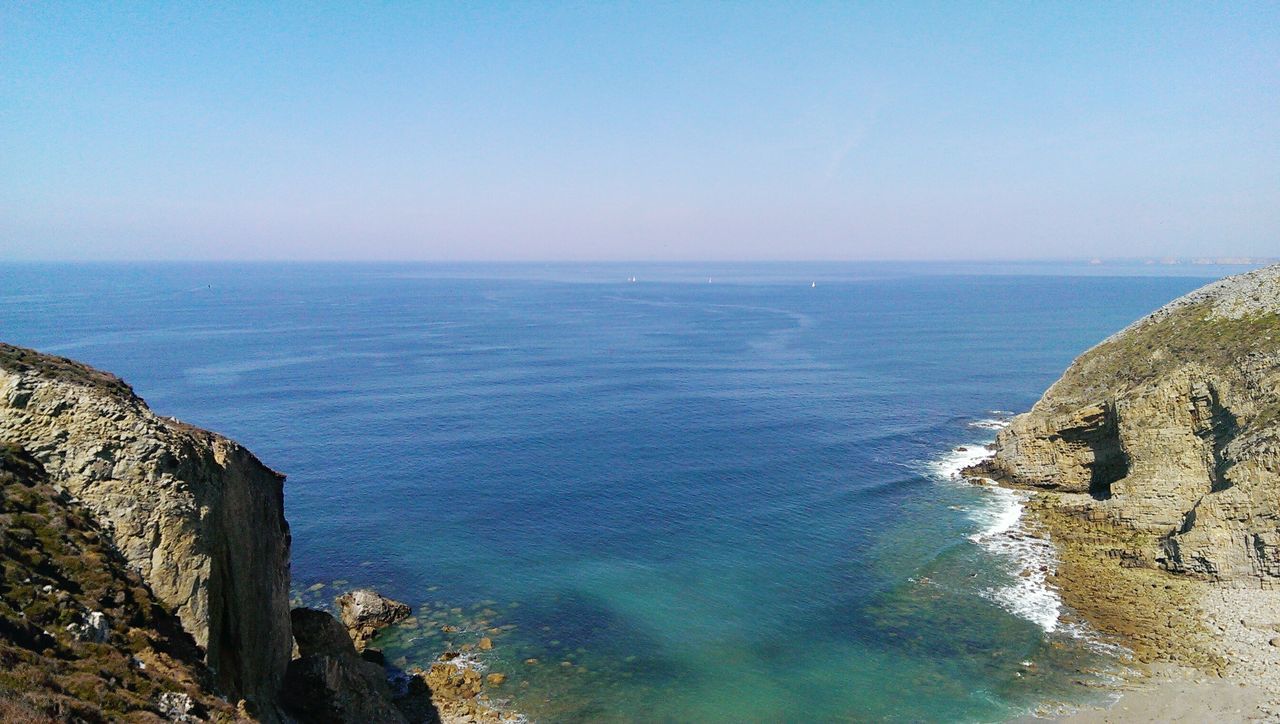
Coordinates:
column 329, row 683
column 196, row 515
column 364, row 612
column 1170, row 430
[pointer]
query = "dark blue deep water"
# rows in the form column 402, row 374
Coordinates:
column 689, row 501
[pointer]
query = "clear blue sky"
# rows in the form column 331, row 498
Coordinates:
column 791, row 130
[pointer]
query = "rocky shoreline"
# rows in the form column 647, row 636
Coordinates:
column 1201, row 650
column 1154, row 469
column 337, row 674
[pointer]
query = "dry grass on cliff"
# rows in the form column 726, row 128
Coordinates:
column 21, row 359
column 1161, row 345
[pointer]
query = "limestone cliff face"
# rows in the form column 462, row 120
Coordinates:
column 1171, row 428
column 198, row 516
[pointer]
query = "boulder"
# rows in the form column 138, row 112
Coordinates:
column 365, row 611
column 318, row 633
column 337, row 690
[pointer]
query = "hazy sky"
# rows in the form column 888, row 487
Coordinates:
column 792, row 130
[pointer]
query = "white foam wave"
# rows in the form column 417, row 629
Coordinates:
column 990, row 423
column 948, row 466
column 469, row 660
column 1031, row 559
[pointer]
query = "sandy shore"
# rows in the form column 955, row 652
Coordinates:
column 1172, row 693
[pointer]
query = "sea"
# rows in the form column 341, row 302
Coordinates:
column 664, row 492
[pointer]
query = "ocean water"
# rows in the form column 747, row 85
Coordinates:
column 717, row 493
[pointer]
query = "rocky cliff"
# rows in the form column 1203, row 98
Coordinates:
column 196, row 515
column 1169, row 431
column 81, row 637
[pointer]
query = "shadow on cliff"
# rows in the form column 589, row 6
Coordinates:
column 1101, row 436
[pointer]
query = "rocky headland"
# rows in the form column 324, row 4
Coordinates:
column 144, row 576
column 1156, row 464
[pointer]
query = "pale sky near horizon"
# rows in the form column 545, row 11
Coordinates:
column 715, row 131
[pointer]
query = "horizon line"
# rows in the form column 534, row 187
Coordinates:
column 1154, row 260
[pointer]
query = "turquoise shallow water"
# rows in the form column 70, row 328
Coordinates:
column 689, row 501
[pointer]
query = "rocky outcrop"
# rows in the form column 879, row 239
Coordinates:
column 364, row 612
column 329, row 683
column 1169, row 429
column 196, row 515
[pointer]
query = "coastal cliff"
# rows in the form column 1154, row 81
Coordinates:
column 1169, row 431
column 144, row 576
column 1155, row 466
column 197, row 516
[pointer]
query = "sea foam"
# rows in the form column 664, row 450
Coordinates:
column 1001, row 533
column 1029, row 595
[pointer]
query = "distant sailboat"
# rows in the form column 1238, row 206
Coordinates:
column 812, row 284
column 708, row 280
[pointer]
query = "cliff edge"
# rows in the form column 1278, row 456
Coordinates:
column 196, row 515
column 1170, row 432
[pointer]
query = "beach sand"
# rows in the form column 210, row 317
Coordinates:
column 1170, row 693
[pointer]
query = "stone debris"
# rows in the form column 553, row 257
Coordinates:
column 177, row 707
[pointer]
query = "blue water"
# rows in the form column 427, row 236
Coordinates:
column 689, row 501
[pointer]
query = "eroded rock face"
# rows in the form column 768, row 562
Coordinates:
column 198, row 516
column 1171, row 428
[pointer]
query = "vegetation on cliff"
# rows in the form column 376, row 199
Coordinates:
column 1159, row 345
column 196, row 515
